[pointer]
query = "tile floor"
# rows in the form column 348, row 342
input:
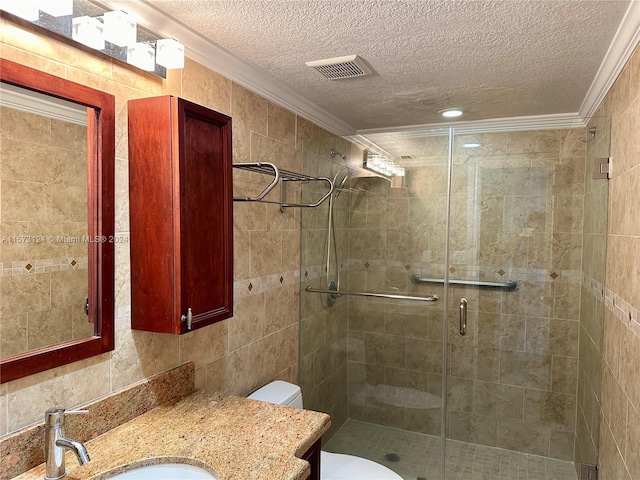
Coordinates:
column 420, row 456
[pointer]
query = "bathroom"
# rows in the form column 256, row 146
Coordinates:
column 262, row 340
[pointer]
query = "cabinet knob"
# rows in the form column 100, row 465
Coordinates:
column 188, row 318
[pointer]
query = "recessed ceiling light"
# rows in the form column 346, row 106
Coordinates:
column 450, row 112
column 470, row 145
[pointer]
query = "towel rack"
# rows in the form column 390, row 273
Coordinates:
column 281, row 176
column 509, row 285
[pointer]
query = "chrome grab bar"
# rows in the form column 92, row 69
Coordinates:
column 509, row 285
column 430, row 298
column 463, row 316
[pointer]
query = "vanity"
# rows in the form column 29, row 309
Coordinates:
column 230, row 437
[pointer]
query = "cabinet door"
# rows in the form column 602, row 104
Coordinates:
column 181, row 201
column 205, row 266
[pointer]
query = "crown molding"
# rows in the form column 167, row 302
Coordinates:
column 206, row 52
column 19, row 98
column 620, row 50
column 509, row 124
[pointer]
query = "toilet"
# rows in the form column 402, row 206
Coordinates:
column 333, row 466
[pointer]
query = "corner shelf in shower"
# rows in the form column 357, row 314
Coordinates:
column 281, row 177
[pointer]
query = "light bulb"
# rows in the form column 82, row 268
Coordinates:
column 142, row 55
column 88, row 31
column 169, row 53
column 120, row 28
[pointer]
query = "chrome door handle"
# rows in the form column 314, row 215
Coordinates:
column 188, row 318
column 463, row 316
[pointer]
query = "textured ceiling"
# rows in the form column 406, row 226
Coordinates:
column 493, row 58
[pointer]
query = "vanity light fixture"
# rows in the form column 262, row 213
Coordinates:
column 382, row 165
column 113, row 33
column 451, row 112
column 470, row 145
column 169, row 53
column 120, row 28
column 89, row 31
column 25, row 10
column 142, row 55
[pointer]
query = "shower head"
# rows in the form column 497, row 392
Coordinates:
column 342, row 182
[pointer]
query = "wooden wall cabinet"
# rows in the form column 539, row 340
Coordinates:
column 181, row 215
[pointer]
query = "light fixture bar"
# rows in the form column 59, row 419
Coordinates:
column 113, row 33
column 57, row 8
column 383, row 166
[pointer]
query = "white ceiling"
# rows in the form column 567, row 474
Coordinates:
column 493, row 58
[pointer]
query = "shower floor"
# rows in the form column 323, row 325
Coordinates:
column 420, row 456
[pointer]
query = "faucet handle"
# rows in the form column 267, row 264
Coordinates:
column 54, row 417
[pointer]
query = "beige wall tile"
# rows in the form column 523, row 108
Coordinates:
column 248, row 321
column 523, row 437
column 549, row 408
column 619, row 343
column 71, row 385
column 25, row 201
column 525, row 369
column 497, row 400
column 564, row 374
column 204, row 87
column 51, row 327
column 204, row 345
column 140, row 355
column 24, row 293
column 121, row 203
column 611, row 464
column 472, row 428
column 266, row 253
column 631, row 457
column 249, row 110
column 281, row 124
column 13, row 335
column 3, row 409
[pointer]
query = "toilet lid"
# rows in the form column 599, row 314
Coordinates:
column 336, row 466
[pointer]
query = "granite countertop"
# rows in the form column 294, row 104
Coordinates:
column 233, row 437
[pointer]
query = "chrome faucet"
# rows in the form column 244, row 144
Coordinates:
column 55, row 443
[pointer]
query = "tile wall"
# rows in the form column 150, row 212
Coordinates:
column 323, row 329
column 235, row 356
column 43, row 211
column 619, row 458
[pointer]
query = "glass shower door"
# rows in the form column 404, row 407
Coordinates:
column 514, row 269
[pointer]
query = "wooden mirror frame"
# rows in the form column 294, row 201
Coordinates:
column 100, row 220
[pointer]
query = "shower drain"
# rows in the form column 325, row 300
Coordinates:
column 392, row 457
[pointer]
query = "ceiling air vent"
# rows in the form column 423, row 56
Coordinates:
column 407, row 157
column 341, row 67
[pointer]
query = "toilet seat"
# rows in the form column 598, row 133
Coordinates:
column 337, row 466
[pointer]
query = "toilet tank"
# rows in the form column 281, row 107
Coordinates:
column 280, row 392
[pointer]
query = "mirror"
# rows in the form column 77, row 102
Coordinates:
column 56, row 221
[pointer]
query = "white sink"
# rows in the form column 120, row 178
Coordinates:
column 166, row 471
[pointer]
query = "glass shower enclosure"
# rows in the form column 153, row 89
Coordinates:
column 484, row 380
